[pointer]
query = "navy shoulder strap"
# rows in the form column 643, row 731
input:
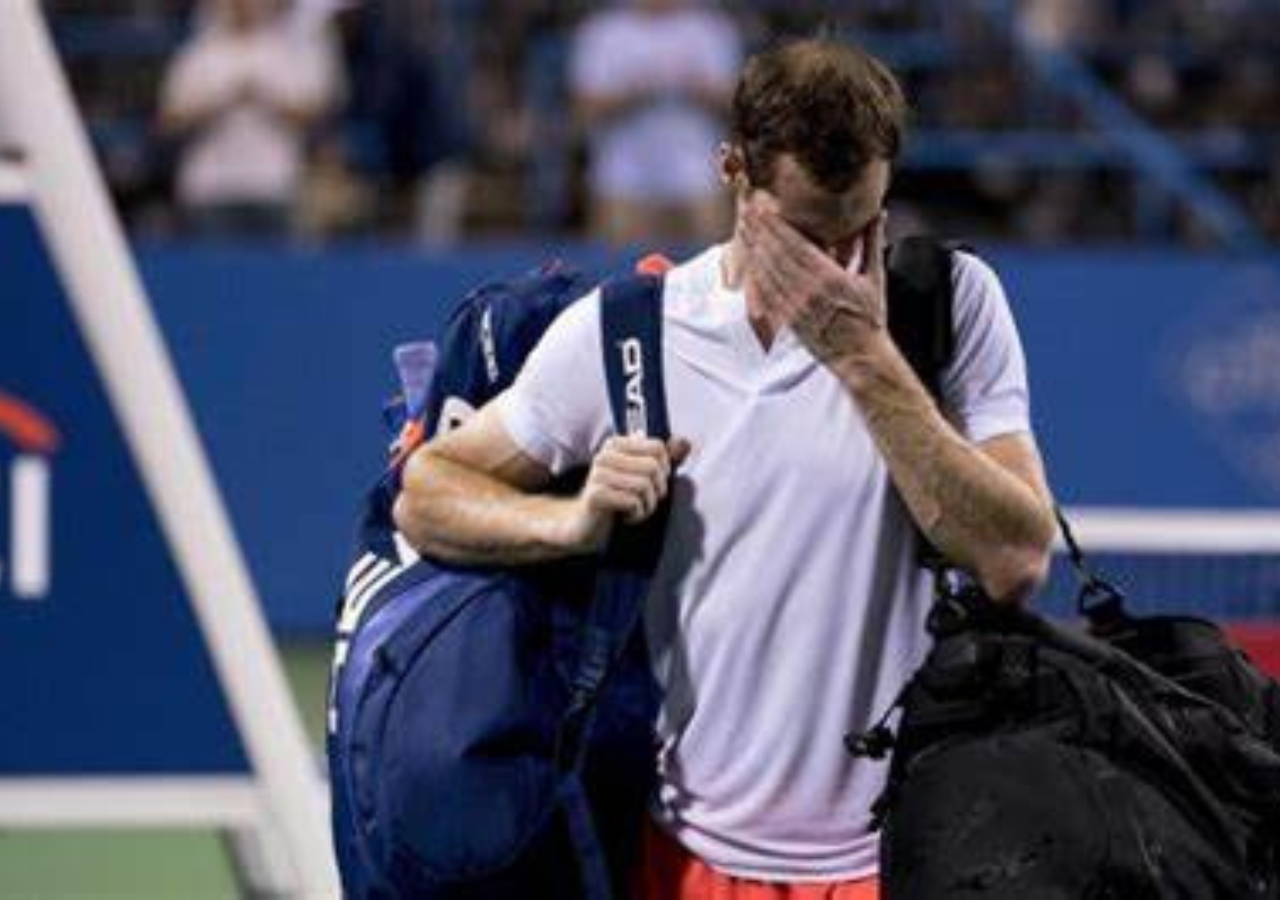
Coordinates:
column 631, row 335
column 631, row 329
column 631, row 340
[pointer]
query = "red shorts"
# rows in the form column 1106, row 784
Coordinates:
column 670, row 872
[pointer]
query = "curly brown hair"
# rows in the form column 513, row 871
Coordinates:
column 827, row 102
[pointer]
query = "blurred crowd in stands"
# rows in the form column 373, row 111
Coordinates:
column 441, row 120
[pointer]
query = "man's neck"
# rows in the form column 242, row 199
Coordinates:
column 732, row 269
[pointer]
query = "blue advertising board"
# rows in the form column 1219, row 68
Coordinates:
column 1155, row 376
column 102, row 665
column 1154, row 379
column 286, row 359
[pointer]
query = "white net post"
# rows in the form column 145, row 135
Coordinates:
column 38, row 116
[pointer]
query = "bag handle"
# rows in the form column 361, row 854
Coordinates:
column 1098, row 600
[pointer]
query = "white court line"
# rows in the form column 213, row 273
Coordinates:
column 212, row 801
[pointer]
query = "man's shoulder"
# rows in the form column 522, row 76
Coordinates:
column 580, row 317
column 971, row 269
column 976, row 286
column 686, row 287
column 691, row 285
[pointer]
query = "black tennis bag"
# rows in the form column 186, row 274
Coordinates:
column 1192, row 651
column 1036, row 761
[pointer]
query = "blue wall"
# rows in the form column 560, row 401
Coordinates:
column 1155, row 377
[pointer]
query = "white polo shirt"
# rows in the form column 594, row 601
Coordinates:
column 788, row 608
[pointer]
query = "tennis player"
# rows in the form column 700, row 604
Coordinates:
column 788, row 607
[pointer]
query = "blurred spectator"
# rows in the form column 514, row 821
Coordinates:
column 457, row 127
column 243, row 94
column 1060, row 23
column 414, row 72
column 332, row 201
column 651, row 81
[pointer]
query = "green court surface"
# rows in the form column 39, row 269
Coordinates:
column 141, row 865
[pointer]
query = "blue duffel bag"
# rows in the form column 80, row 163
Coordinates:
column 490, row 729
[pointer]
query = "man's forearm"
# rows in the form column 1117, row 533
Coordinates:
column 980, row 515
column 459, row 515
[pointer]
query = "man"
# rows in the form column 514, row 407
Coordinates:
column 243, row 94
column 788, row 607
column 651, row 81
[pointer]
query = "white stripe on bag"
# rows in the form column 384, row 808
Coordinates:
column 361, row 599
column 361, row 566
column 350, row 612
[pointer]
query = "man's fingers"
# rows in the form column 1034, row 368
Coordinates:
column 649, row 489
column 635, row 498
column 874, row 244
column 771, row 283
column 678, row 449
column 774, row 287
column 799, row 274
column 639, row 454
column 794, row 247
column 635, row 446
column 646, row 465
column 798, row 255
column 618, row 502
column 791, row 260
column 631, row 474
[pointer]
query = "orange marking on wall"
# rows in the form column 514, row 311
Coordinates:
column 27, row 427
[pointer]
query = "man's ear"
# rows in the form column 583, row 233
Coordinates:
column 733, row 166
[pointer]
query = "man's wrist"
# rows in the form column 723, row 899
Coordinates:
column 566, row 527
column 871, row 360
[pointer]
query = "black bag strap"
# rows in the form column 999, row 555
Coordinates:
column 1097, row 600
column 631, row 339
column 921, row 320
column 920, row 299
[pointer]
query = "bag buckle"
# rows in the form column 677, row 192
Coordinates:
column 1102, row 603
